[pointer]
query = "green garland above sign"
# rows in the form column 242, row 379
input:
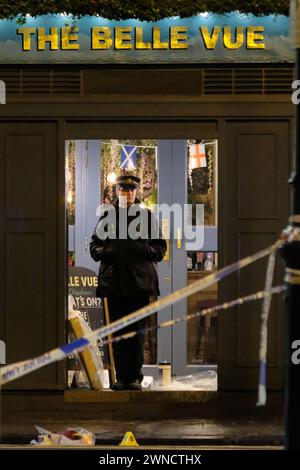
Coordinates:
column 145, row 10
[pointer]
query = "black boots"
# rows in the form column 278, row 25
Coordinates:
column 121, row 385
column 135, row 385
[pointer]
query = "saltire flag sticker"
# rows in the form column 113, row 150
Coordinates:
column 197, row 156
column 128, row 157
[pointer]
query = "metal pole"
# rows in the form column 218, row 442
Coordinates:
column 290, row 252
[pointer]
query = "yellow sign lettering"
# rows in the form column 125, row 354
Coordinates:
column 68, row 34
column 157, row 44
column 26, row 37
column 123, row 37
column 52, row 38
column 178, row 36
column 255, row 33
column 227, row 38
column 128, row 38
column 139, row 42
column 210, row 40
column 101, row 38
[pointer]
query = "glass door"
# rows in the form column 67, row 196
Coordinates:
column 91, row 170
column 195, row 253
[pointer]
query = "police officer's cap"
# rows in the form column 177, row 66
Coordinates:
column 128, row 181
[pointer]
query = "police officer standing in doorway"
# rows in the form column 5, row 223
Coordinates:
column 127, row 274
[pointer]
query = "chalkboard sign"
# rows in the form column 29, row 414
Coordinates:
column 82, row 287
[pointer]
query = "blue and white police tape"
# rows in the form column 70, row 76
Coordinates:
column 262, row 386
column 19, row 369
column 207, row 311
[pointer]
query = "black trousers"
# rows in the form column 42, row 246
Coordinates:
column 128, row 353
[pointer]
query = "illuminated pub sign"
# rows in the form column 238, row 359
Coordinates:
column 203, row 38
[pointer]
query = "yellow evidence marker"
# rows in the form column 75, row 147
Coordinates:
column 129, row 440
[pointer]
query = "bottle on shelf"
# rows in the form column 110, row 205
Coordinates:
column 209, row 265
column 189, row 262
column 200, row 260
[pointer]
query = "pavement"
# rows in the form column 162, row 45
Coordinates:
column 155, row 418
column 188, row 432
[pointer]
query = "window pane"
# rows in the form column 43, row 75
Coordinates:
column 202, row 178
column 143, row 164
column 202, row 330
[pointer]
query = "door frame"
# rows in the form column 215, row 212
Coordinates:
column 168, row 339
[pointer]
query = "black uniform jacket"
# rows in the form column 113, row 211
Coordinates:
column 128, row 266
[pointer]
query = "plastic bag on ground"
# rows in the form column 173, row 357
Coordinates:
column 71, row 437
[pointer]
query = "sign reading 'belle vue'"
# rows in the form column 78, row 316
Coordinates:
column 202, row 38
column 127, row 37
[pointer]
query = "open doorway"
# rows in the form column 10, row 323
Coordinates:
column 171, row 172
